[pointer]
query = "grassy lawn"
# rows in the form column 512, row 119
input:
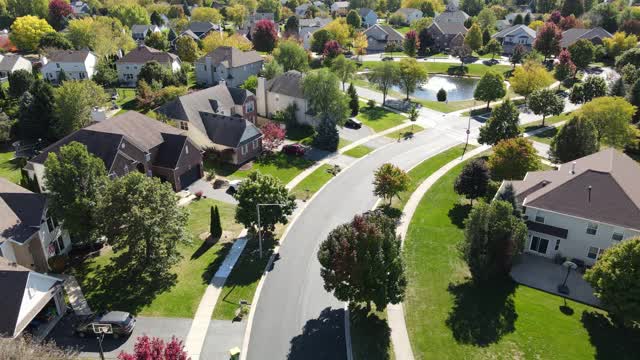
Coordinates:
column 281, row 166
column 548, row 121
column 405, row 132
column 126, row 98
column 301, row 134
column 546, row 136
column 472, row 69
column 370, row 334
column 358, row 151
column 312, row 183
column 448, row 318
column 446, row 107
column 378, row 118
column 109, row 284
column 343, row 142
column 9, row 167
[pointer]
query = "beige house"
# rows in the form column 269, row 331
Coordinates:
column 282, row 91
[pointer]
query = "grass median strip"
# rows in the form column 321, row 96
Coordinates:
column 405, row 132
column 358, row 151
column 312, row 183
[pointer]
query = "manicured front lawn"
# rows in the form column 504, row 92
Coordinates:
column 312, row 183
column 444, row 107
column 472, row 69
column 10, row 167
column 449, row 318
column 279, row 165
column 343, row 142
column 358, row 151
column 547, row 122
column 405, row 132
column 546, row 136
column 378, row 118
column 108, row 284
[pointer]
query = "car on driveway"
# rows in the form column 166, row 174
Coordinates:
column 122, row 324
column 353, row 124
column 294, row 149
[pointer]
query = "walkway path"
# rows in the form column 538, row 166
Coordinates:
column 74, row 293
column 200, row 325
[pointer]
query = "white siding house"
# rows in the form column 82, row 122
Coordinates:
column 129, row 66
column 76, row 64
column 280, row 92
column 10, row 63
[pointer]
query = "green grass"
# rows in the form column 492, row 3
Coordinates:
column 343, row 142
column 546, row 136
column 370, row 334
column 107, row 284
column 10, row 167
column 405, row 132
column 281, row 166
column 445, row 67
column 403, row 29
column 301, row 134
column 312, row 183
column 358, row 151
column 446, row 107
column 448, row 318
column 378, row 118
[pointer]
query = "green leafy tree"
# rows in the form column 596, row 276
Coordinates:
column 291, row 56
column 215, row 227
column 487, row 19
column 36, row 113
column 502, row 125
column 156, row 19
column 237, row 14
column 383, row 76
column 263, row 189
column 19, row 82
column 326, row 136
column 582, row 53
column 517, row 55
column 292, row 25
column 319, row 39
column 17, row 8
column 250, row 84
column 103, row 34
column 106, row 74
column 493, row 47
column 73, row 103
column 140, row 216
column 187, row 49
column 322, row 89
column 490, row 88
column 389, row 181
column 152, row 71
column 353, row 19
column 74, row 180
column 593, row 87
column 441, row 95
column 529, row 77
column 513, row 158
column 473, row 181
column 493, row 236
column 577, row 138
column 6, row 126
column 27, row 31
column 411, row 74
column 618, row 88
column 272, row 69
column 158, row 40
column 614, row 279
column 572, row 7
column 545, row 102
column 54, row 40
column 344, row 68
column 354, row 101
column 611, row 117
column 472, row 7
column 473, row 38
column 361, row 261
column 130, row 14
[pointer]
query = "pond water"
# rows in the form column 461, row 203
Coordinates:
column 457, row 88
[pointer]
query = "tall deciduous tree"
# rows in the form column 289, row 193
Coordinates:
column 59, row 11
column 493, row 236
column 493, row 47
column 577, row 138
column 344, row 68
column 36, row 118
column 361, row 261
column 582, row 53
column 130, row 14
column 490, row 88
column 572, row 7
column 353, row 19
column 411, row 43
column 611, row 116
column 263, row 189
column 473, row 181
column 54, row 40
column 517, row 55
column 529, row 77
column 73, row 103
column 206, row 14
column 545, row 102
column 27, row 31
column 389, row 181
column 513, row 158
column 322, row 89
column 158, row 40
column 614, row 278
column 503, row 124
column 292, row 25
column 265, row 35
column 318, row 39
column 74, row 180
column 411, row 74
column 473, row 38
column 291, row 56
column 187, row 49
column 548, row 40
column 383, row 76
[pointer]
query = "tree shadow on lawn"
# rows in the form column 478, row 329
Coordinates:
column 482, row 313
column 375, row 113
column 458, row 213
column 321, row 338
column 124, row 286
column 610, row 340
column 283, row 161
column 372, row 335
column 213, row 266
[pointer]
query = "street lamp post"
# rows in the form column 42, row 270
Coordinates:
column 468, row 130
column 259, row 230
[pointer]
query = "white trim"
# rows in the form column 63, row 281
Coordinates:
column 581, row 218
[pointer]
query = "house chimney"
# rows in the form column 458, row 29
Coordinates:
column 589, row 190
column 261, row 96
column 573, row 168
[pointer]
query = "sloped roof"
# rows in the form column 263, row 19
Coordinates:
column 407, row 11
column 190, row 34
column 612, row 176
column 452, row 15
column 512, row 29
column 20, row 212
column 202, row 26
column 13, row 282
column 231, row 131
column 232, row 56
column 450, row 28
column 170, row 150
column 289, row 83
column 143, row 54
column 365, row 11
column 104, row 146
column 8, row 61
column 142, row 29
column 77, row 56
column 315, row 22
column 570, row 36
column 391, row 34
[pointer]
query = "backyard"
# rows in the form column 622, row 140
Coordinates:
column 281, row 166
column 9, row 167
column 109, row 284
column 450, row 318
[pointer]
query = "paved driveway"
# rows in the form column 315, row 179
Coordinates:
column 211, row 193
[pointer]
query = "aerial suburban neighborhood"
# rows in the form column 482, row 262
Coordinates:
column 299, row 179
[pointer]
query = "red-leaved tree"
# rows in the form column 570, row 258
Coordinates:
column 272, row 136
column 565, row 68
column 265, row 35
column 548, row 40
column 58, row 12
column 147, row 348
column 332, row 49
column 569, row 22
column 556, row 16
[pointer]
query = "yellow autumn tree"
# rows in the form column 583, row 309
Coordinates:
column 339, row 30
column 27, row 31
column 217, row 39
column 529, row 77
column 619, row 43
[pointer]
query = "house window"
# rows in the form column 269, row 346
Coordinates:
column 249, row 107
column 82, row 75
column 539, row 245
column 244, row 149
column 557, row 245
column 149, row 174
column 594, row 252
column 58, row 65
column 540, row 217
column 184, row 125
column 147, row 157
column 204, row 67
column 51, row 224
column 617, row 236
column 592, row 228
column 59, row 244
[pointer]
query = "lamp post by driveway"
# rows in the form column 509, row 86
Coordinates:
column 259, row 230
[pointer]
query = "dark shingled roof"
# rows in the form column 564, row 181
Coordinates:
column 13, row 282
column 69, row 56
column 202, row 26
column 450, row 27
column 547, row 229
column 104, row 146
column 20, row 212
column 143, row 54
column 170, row 150
column 232, row 56
column 289, row 83
column 364, row 12
column 570, row 36
column 231, row 131
column 391, row 34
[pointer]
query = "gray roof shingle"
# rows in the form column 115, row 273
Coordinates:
column 143, row 54
column 289, row 83
column 231, row 131
column 570, row 36
column 231, row 56
column 77, row 56
column 20, row 212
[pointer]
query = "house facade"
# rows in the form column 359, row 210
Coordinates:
column 29, row 235
column 514, row 36
column 221, row 118
column 128, row 66
column 369, row 17
column 227, row 64
column 410, row 14
column 80, row 8
column 581, row 209
column 381, row 37
column 11, row 62
column 448, row 30
column 140, row 32
column 282, row 91
column 76, row 64
column 133, row 142
column 340, row 8
column 308, row 27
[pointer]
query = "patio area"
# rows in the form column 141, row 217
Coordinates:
column 541, row 273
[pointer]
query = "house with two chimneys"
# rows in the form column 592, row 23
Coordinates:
column 581, row 209
column 76, row 65
column 228, row 64
column 129, row 66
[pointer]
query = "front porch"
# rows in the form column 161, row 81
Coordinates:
column 543, row 274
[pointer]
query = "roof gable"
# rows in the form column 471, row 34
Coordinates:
column 143, row 54
column 231, row 131
column 232, row 56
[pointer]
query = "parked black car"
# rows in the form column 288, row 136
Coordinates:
column 353, row 124
column 294, row 149
column 122, row 324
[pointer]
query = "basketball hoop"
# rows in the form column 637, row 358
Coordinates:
column 102, row 328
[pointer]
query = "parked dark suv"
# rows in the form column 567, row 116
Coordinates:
column 122, row 324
